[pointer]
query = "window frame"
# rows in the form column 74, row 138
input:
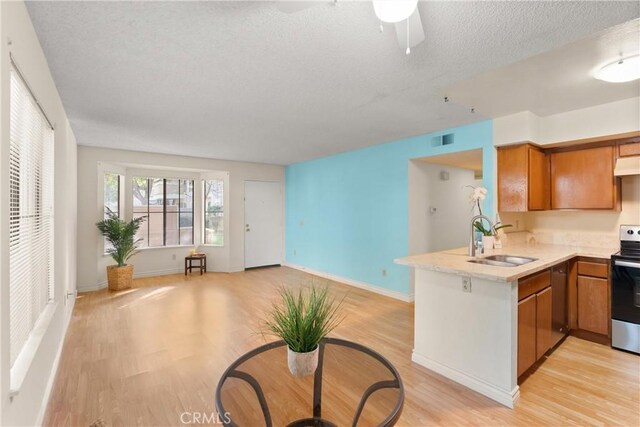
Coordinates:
column 205, row 212
column 19, row 363
column 119, row 195
column 164, row 210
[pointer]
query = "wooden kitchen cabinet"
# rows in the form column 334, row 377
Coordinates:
column 583, row 179
column 543, row 322
column 590, row 299
column 523, row 179
column 526, row 333
column 535, row 313
column 593, row 297
column 632, row 149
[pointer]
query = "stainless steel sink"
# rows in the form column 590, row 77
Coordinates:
column 518, row 260
column 503, row 260
column 492, row 262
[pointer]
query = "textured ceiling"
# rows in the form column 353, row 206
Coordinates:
column 555, row 81
column 246, row 81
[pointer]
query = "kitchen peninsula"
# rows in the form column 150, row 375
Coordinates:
column 466, row 314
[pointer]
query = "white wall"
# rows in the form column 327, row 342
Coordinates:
column 157, row 261
column 27, row 407
column 576, row 227
column 469, row 337
column 600, row 120
column 448, row 227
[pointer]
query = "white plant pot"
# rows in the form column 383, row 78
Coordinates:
column 487, row 243
column 302, row 364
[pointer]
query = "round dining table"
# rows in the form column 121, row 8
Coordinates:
column 353, row 385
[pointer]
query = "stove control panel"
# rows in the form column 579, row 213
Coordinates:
column 630, row 233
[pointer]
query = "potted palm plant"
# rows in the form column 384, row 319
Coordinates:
column 302, row 320
column 123, row 244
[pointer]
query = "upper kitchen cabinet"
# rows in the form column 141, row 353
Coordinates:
column 523, row 179
column 584, row 179
column 629, row 150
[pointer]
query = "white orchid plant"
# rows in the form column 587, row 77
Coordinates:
column 476, row 197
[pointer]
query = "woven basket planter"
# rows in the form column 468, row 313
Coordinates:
column 119, row 277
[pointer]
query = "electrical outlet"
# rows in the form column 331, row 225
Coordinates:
column 517, row 224
column 173, row 257
column 384, row 272
column 295, row 252
column 466, row 284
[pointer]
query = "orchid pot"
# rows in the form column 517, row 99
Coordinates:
column 488, row 242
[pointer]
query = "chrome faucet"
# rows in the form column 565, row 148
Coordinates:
column 472, row 242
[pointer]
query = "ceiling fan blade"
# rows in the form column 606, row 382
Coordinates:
column 416, row 32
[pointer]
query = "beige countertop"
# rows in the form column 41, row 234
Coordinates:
column 455, row 261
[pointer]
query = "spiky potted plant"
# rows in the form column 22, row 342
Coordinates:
column 302, row 320
column 121, row 236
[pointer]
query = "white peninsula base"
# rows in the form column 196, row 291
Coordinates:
column 468, row 337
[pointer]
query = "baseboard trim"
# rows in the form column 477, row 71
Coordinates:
column 357, row 284
column 54, row 369
column 503, row 397
column 103, row 285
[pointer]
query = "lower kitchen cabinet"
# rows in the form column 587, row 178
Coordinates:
column 534, row 319
column 593, row 297
column 526, row 333
column 543, row 322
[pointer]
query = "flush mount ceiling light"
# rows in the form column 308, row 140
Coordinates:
column 623, row 70
column 393, row 11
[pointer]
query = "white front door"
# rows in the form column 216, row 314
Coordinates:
column 263, row 231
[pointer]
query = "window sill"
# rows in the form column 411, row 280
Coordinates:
column 166, row 247
column 173, row 247
column 21, row 366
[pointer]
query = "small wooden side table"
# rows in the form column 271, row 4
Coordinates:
column 188, row 263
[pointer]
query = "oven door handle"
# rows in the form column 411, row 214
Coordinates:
column 627, row 264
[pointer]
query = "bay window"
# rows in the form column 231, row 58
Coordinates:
column 167, row 205
column 214, row 212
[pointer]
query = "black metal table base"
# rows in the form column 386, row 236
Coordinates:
column 312, row 422
column 317, row 420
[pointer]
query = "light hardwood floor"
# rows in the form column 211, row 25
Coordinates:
column 146, row 355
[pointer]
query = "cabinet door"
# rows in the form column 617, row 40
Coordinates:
column 593, row 303
column 632, row 149
column 583, row 179
column 526, row 333
column 539, row 198
column 543, row 322
column 512, row 178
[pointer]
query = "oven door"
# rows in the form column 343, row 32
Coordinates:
column 625, row 290
column 625, row 304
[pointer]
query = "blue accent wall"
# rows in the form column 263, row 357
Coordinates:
column 347, row 214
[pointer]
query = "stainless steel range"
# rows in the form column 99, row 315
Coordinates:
column 625, row 291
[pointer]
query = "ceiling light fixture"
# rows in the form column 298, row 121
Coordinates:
column 393, row 11
column 620, row 71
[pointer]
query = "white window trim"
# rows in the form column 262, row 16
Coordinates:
column 224, row 176
column 129, row 182
column 21, row 366
column 24, row 359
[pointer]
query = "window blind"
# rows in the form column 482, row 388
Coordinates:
column 31, row 214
